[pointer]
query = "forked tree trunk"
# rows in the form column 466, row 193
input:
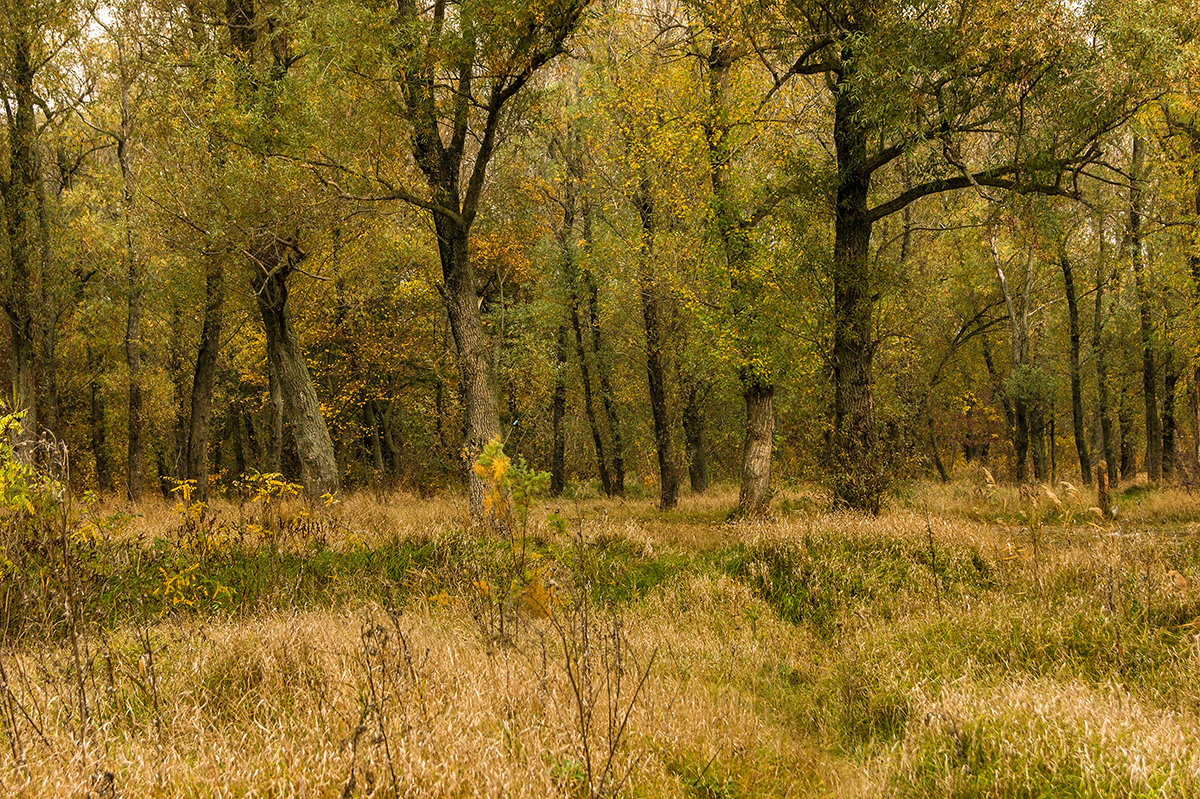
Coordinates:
column 603, row 361
column 755, row 494
column 200, row 422
column 318, row 466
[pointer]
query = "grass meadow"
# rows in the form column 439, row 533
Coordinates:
column 972, row 641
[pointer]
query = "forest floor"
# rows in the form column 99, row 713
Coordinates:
column 970, row 641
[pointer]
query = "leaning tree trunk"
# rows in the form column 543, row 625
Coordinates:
column 200, row 422
column 1081, row 449
column 318, row 466
column 481, row 420
column 755, row 493
column 603, row 363
column 1149, row 373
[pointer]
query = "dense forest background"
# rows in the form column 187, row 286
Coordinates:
column 646, row 244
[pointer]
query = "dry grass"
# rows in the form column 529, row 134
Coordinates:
column 930, row 651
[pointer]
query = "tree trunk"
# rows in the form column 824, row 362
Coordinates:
column 1149, row 375
column 1020, row 438
column 693, row 434
column 603, row 367
column 200, row 422
column 275, row 418
column 655, row 372
column 1036, row 415
column 20, row 197
column 371, row 422
column 558, row 412
column 239, row 447
column 1081, row 448
column 589, row 404
column 1170, row 453
column 859, row 481
column 755, row 494
column 481, row 420
column 99, row 437
column 318, row 466
column 1107, row 438
column 1125, row 418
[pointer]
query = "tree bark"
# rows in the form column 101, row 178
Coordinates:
column 693, row 434
column 1125, row 419
column 371, row 422
column 1081, row 448
column 1170, row 452
column 200, row 421
column 99, row 436
column 481, row 419
column 655, row 371
column 1107, row 437
column 558, row 413
column 1137, row 255
column 859, row 480
column 754, row 496
column 275, row 418
column 602, row 361
column 318, row 466
column 20, row 197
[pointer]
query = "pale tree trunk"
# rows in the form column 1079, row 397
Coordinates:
column 318, row 466
column 755, row 493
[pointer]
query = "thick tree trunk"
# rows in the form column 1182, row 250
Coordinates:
column 20, row 198
column 200, row 422
column 1107, row 437
column 481, row 419
column 655, row 370
column 755, row 494
column 693, row 434
column 1149, row 374
column 1081, row 448
column 558, row 413
column 859, row 481
column 318, row 466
